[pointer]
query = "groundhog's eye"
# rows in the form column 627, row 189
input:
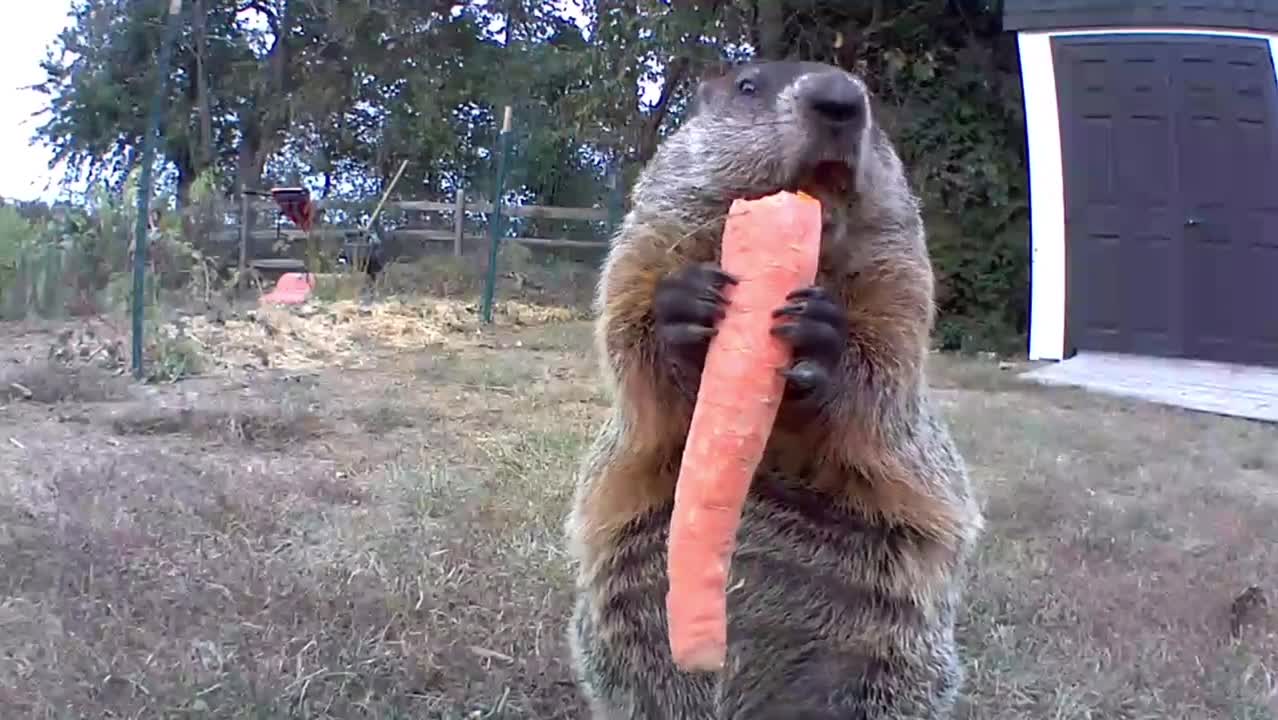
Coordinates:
column 745, row 86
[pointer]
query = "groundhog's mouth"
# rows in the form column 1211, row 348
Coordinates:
column 826, row 178
column 830, row 175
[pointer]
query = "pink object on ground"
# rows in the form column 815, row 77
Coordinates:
column 291, row 289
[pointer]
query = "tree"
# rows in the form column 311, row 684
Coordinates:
column 338, row 93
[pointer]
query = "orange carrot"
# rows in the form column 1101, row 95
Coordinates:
column 771, row 246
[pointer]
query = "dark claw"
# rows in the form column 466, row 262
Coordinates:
column 812, row 338
column 806, row 375
column 685, row 334
column 812, row 291
column 815, row 327
column 813, row 303
column 676, row 306
column 686, row 308
column 717, row 274
column 702, row 275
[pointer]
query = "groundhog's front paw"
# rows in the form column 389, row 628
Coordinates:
column 816, row 327
column 687, row 306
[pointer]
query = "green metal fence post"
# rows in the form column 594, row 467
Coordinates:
column 144, row 181
column 494, row 221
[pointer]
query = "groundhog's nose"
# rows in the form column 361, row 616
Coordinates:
column 835, row 99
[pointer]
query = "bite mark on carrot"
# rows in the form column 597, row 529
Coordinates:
column 771, row 245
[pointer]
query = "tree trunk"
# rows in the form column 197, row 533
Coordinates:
column 649, row 131
column 186, row 174
column 199, row 28
column 264, row 119
column 249, row 170
column 770, row 29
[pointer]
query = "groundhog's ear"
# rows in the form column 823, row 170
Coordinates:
column 710, row 84
column 702, row 95
column 715, row 69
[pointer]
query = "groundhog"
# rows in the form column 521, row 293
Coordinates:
column 857, row 530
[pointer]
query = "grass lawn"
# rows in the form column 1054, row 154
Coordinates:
column 384, row 541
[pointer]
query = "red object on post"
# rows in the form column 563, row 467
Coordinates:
column 296, row 205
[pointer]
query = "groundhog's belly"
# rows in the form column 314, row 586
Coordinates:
column 809, row 615
column 806, row 566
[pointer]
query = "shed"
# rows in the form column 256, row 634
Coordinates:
column 1152, row 130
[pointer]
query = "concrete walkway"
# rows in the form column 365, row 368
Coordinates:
column 1224, row 389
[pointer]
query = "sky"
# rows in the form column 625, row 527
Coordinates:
column 24, row 37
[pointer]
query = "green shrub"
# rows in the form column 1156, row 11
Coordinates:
column 31, row 269
column 171, row 354
column 16, row 234
column 957, row 115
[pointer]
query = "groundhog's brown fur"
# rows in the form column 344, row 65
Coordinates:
column 846, row 577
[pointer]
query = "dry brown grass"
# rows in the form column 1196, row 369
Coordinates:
column 266, row 427
column 49, row 383
column 1119, row 535
column 384, row 543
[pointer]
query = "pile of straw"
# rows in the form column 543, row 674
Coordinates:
column 350, row 334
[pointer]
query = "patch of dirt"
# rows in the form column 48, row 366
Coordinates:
column 49, row 383
column 266, row 427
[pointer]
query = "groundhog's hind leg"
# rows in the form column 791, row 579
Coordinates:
column 805, row 683
column 618, row 636
column 823, row 620
column 632, row 682
column 819, row 682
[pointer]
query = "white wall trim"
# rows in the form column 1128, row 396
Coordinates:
column 1046, row 172
column 1047, row 197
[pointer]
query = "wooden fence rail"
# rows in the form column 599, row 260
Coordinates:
column 459, row 207
column 412, row 235
column 550, row 212
column 456, row 208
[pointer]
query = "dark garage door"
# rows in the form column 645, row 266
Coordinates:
column 1170, row 149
